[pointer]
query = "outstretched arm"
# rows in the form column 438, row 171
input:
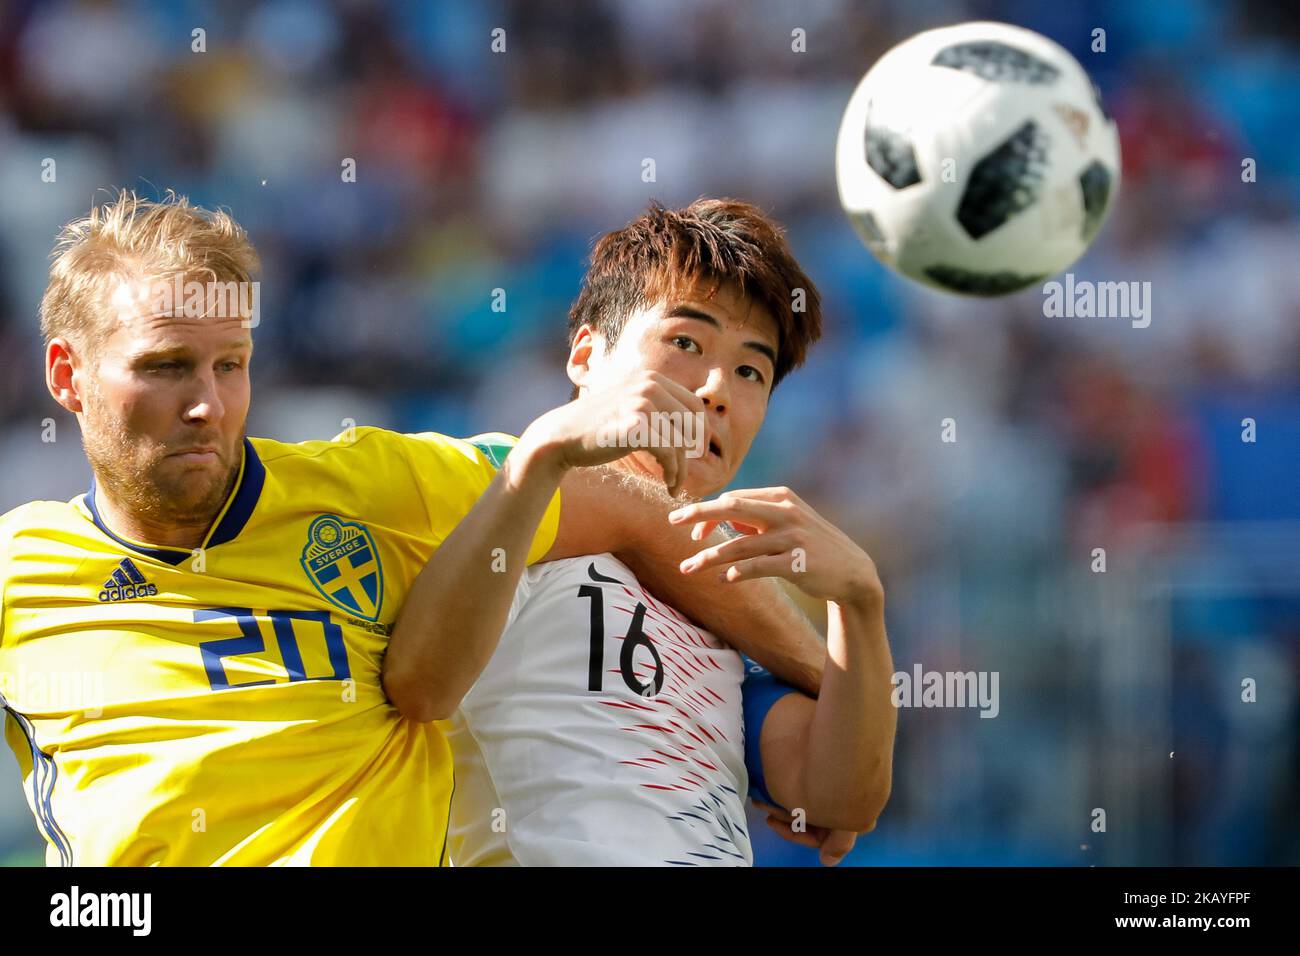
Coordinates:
column 459, row 603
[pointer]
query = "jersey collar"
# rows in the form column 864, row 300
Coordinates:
column 230, row 520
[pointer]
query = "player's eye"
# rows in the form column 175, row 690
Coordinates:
column 751, row 374
column 229, row 366
column 169, row 365
column 685, row 343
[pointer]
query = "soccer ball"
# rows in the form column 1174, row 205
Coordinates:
column 977, row 159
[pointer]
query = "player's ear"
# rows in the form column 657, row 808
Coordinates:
column 60, row 378
column 585, row 344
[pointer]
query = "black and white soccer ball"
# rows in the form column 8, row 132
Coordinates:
column 977, row 159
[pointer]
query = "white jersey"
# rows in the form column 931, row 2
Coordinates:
column 606, row 730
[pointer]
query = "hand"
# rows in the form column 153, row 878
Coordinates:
column 833, row 844
column 782, row 536
column 646, row 412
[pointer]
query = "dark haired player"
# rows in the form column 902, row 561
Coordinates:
column 607, row 728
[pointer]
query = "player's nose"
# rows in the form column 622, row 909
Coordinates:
column 714, row 391
column 204, row 404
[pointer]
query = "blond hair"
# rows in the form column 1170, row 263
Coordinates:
column 132, row 239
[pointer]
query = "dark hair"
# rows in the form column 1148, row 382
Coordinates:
column 664, row 251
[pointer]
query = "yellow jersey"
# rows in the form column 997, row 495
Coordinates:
column 223, row 705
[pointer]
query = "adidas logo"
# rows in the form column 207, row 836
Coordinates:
column 126, row 584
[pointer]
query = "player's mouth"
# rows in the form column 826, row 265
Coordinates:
column 715, row 448
column 199, row 455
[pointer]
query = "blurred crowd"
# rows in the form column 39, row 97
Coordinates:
column 481, row 169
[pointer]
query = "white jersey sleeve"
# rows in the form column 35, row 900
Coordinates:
column 606, row 730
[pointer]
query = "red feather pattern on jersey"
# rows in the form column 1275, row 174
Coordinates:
column 684, row 703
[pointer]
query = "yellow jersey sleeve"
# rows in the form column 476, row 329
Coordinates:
column 450, row 474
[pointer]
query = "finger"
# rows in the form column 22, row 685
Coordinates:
column 655, row 406
column 768, row 566
column 737, row 549
column 702, row 529
column 670, row 436
column 761, row 515
column 667, row 464
column 670, row 420
column 674, row 463
column 780, row 493
column 683, row 468
column 677, row 391
column 836, row 846
column 787, row 833
column 772, row 810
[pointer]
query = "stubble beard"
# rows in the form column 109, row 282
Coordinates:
column 132, row 471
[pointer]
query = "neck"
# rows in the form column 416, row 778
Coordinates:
column 182, row 534
column 184, row 530
column 634, row 465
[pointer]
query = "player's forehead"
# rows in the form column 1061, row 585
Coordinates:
column 725, row 303
column 142, row 317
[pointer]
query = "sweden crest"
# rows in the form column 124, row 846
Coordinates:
column 341, row 560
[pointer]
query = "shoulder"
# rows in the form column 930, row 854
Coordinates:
column 368, row 441
column 427, row 478
column 34, row 515
column 16, row 517
column 369, row 453
column 494, row 446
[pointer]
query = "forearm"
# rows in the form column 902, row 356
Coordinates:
column 756, row 617
column 830, row 756
column 458, row 606
column 843, row 771
column 628, row 516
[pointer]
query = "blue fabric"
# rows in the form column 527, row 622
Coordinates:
column 759, row 691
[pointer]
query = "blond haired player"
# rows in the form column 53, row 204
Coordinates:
column 233, row 596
